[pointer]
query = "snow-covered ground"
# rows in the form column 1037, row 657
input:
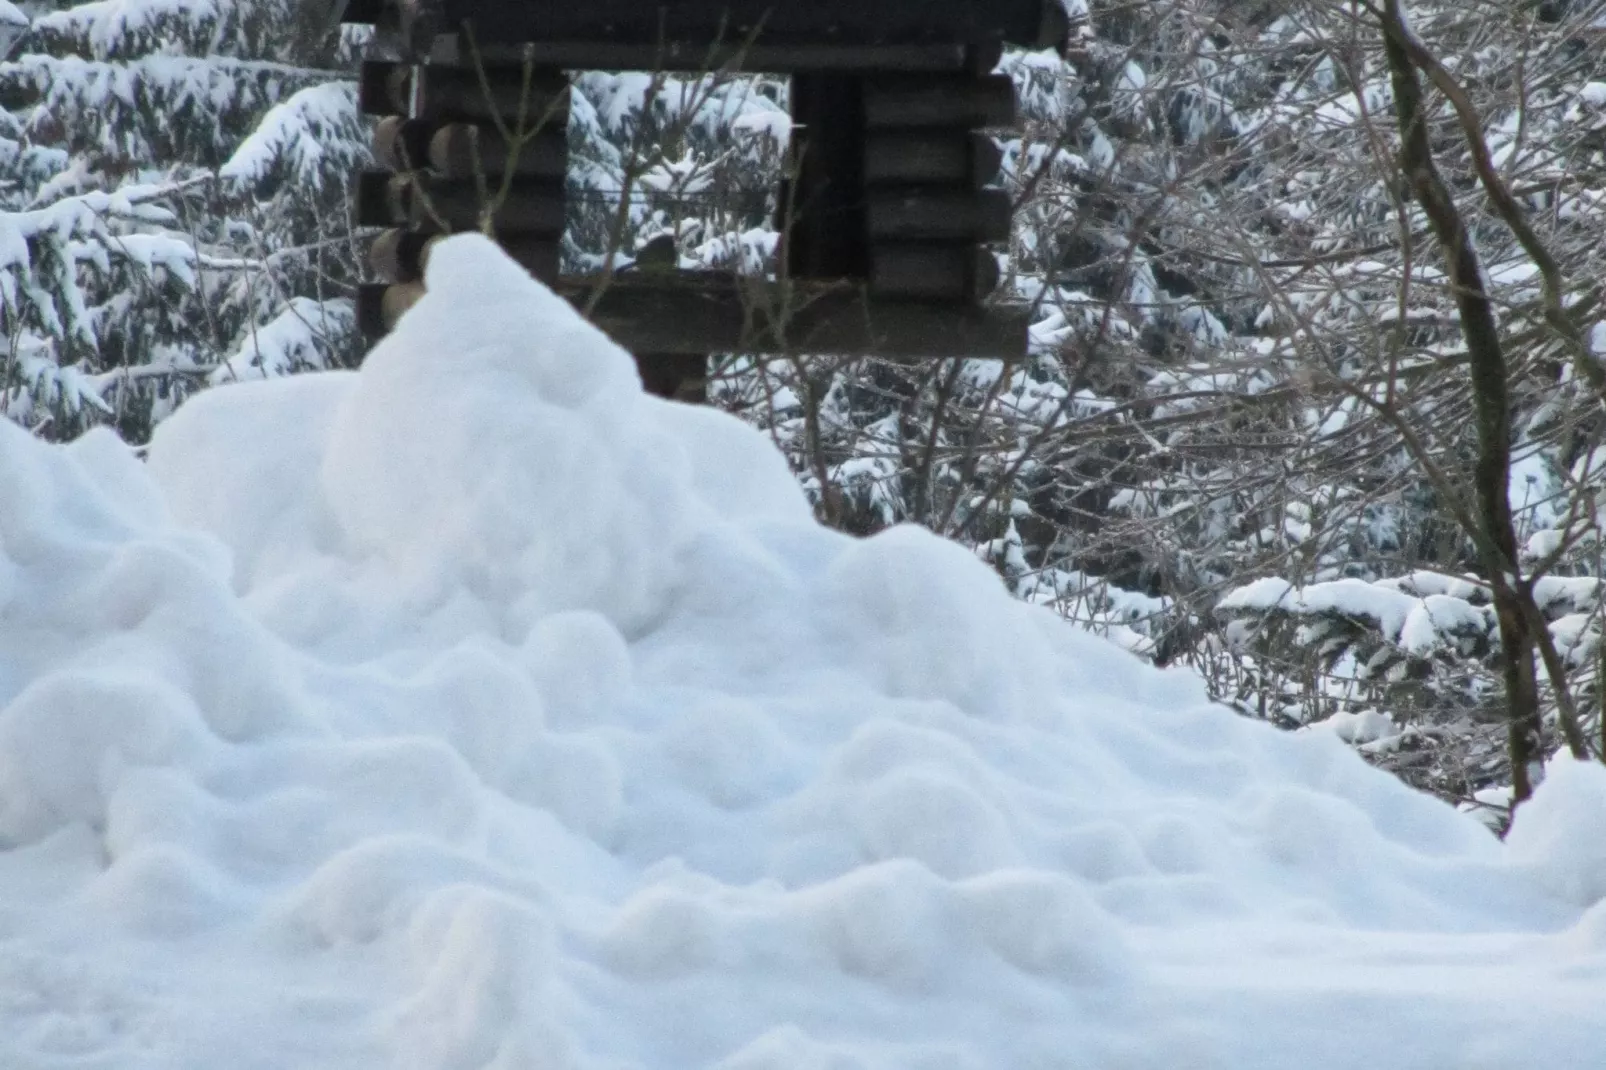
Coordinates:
column 476, row 711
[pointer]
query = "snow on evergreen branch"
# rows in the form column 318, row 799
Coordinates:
column 40, row 385
column 314, row 133
column 115, row 27
column 297, row 339
column 1416, row 626
column 79, row 216
column 154, row 105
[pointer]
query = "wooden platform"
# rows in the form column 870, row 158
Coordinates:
column 678, row 34
column 700, row 316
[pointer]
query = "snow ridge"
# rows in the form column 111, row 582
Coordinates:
column 507, row 717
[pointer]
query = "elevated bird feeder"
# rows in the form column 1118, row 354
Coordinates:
column 886, row 217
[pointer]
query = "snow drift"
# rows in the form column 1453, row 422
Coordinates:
column 478, row 711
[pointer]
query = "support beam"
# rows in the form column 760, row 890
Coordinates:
column 696, row 56
column 771, row 317
column 693, row 316
column 821, row 213
column 1032, row 23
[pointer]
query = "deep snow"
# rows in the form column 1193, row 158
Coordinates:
column 477, row 711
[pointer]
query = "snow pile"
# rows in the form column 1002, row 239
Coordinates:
column 504, row 717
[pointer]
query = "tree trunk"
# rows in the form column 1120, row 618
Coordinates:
column 1497, row 538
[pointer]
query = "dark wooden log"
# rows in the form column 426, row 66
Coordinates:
column 955, row 102
column 460, row 150
column 409, row 26
column 400, row 255
column 938, row 214
column 453, row 94
column 380, row 305
column 382, row 199
column 754, row 317
column 688, row 316
column 1033, row 23
column 931, row 157
column 402, row 144
column 427, row 202
column 536, row 254
column 676, row 376
column 370, row 304
column 398, row 299
column 531, row 206
column 932, row 272
column 821, row 210
column 386, row 42
column 383, row 87
column 706, row 55
column 363, row 12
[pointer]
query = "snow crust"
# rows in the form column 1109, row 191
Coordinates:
column 501, row 716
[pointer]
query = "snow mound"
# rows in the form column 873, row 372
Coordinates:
column 1558, row 832
column 479, row 711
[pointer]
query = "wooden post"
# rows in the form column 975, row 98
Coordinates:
column 822, row 212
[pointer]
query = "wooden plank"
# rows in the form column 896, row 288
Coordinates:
column 957, row 102
column 380, row 305
column 381, row 87
column 429, row 202
column 399, row 255
column 676, row 376
column 451, row 93
column 903, row 157
column 704, row 55
column 821, row 211
column 363, row 12
column 690, row 316
column 531, row 207
column 537, row 254
column 381, row 199
column 938, row 214
column 798, row 317
column 411, row 26
column 424, row 201
column 1032, row 23
column 459, row 150
column 402, row 144
column 929, row 271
